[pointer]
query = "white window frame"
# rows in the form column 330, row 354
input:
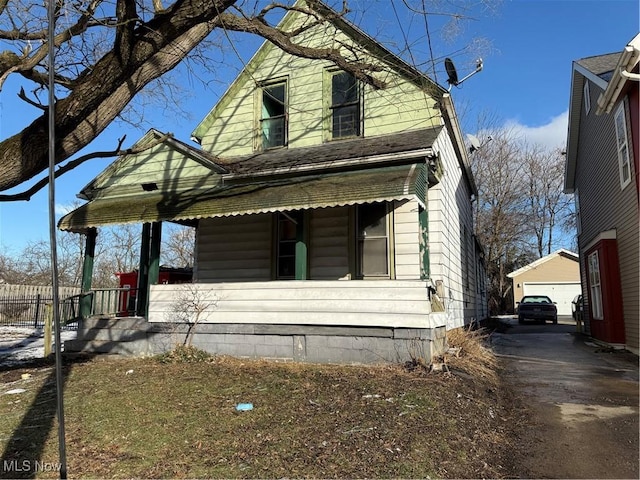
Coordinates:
column 595, row 286
column 388, row 235
column 622, row 145
column 587, row 97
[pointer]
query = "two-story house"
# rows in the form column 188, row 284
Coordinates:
column 333, row 216
column 603, row 147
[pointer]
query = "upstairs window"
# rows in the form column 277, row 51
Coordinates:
column 624, row 164
column 273, row 120
column 345, row 105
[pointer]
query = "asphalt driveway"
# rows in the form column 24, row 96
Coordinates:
column 582, row 397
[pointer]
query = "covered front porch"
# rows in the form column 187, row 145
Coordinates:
column 312, row 321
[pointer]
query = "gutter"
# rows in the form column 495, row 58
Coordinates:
column 334, row 164
column 626, row 64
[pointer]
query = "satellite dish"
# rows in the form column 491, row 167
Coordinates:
column 451, row 71
column 475, row 143
column 453, row 74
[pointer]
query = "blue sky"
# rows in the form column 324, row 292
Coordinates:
column 527, row 48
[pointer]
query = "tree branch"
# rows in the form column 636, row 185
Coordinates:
column 27, row 194
column 283, row 41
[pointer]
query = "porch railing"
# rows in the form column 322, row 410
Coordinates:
column 112, row 302
column 32, row 310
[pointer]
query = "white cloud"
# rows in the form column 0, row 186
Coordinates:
column 552, row 135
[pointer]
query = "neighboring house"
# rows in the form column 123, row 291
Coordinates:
column 556, row 275
column 602, row 172
column 333, row 219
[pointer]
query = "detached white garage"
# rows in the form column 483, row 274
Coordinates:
column 557, row 276
column 560, row 292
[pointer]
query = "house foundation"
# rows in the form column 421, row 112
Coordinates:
column 134, row 336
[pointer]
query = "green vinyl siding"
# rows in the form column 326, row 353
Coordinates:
column 231, row 127
column 164, row 165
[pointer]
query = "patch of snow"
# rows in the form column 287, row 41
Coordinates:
column 19, row 344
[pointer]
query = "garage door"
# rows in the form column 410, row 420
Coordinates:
column 561, row 293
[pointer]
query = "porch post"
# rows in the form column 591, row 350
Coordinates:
column 87, row 271
column 154, row 255
column 143, row 271
column 302, row 238
column 154, row 259
column 423, row 222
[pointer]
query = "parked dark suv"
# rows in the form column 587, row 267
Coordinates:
column 538, row 308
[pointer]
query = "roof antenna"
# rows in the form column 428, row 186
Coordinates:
column 453, row 74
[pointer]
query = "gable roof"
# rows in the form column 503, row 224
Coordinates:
column 354, row 33
column 558, row 253
column 152, row 140
column 605, row 72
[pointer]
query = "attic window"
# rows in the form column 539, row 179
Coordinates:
column 149, row 187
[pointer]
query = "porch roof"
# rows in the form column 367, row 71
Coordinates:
column 268, row 195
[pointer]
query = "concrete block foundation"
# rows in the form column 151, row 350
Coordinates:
column 134, row 336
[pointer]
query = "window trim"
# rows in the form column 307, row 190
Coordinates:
column 300, row 243
column 389, row 222
column 587, row 97
column 261, row 118
column 622, row 149
column 594, row 273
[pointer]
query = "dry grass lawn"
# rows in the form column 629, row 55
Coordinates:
column 176, row 417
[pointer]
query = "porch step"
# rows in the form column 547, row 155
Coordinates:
column 127, row 336
column 135, row 348
column 120, row 323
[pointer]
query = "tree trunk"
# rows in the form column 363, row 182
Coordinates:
column 102, row 92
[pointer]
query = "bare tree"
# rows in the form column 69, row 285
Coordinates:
column 520, row 208
column 548, row 206
column 10, row 272
column 108, row 51
column 178, row 245
column 189, row 307
column 33, row 264
column 501, row 224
